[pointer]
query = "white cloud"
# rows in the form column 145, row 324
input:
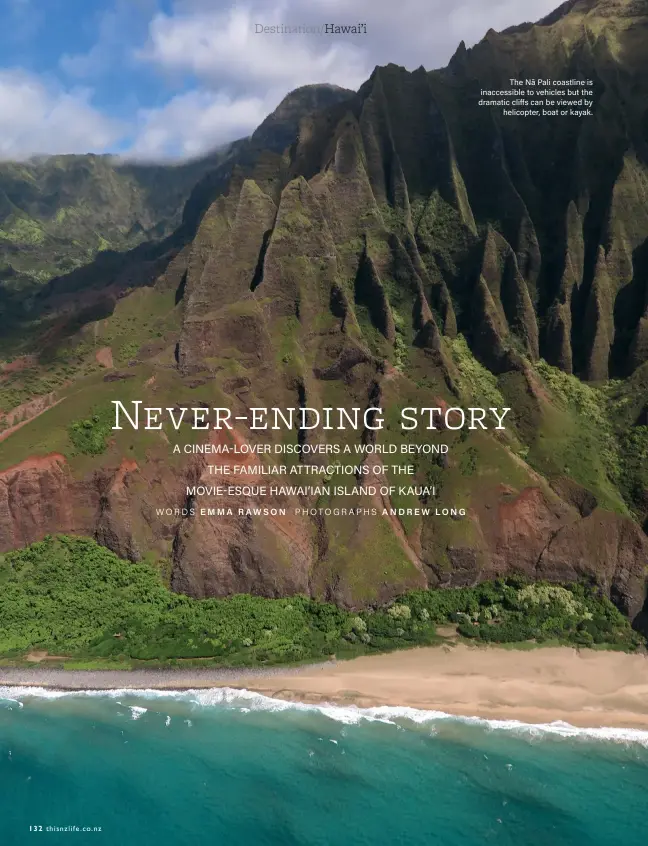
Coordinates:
column 39, row 118
column 421, row 32
column 219, row 45
column 241, row 75
column 221, row 48
column 235, row 77
column 194, row 123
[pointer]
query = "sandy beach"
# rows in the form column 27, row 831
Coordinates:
column 584, row 688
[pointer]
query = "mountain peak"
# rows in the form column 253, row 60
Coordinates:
column 280, row 128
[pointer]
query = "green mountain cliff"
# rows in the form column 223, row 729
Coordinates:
column 57, row 213
column 396, row 247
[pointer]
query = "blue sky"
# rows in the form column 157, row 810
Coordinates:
column 164, row 79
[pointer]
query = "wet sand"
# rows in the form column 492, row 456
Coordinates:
column 581, row 687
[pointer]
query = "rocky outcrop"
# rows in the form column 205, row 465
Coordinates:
column 605, row 548
column 258, row 545
column 254, row 547
column 509, row 294
column 40, row 497
column 558, row 341
column 598, row 327
column 525, row 526
column 221, row 310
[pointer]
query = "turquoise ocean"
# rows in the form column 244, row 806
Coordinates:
column 234, row 767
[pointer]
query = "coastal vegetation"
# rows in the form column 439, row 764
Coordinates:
column 71, row 597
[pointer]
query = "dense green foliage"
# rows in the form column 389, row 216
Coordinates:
column 477, row 381
column 69, row 595
column 634, row 465
column 512, row 610
column 590, row 404
column 89, row 435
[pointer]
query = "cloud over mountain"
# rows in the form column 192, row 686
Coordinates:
column 39, row 116
column 174, row 79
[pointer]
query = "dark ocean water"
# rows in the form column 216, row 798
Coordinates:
column 232, row 767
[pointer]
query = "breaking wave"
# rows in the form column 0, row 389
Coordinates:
column 246, row 701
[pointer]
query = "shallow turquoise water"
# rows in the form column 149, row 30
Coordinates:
column 193, row 769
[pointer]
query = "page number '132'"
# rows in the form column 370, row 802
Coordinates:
column 35, row 827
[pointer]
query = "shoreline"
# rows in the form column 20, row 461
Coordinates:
column 585, row 689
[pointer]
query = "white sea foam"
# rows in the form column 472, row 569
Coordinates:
column 8, row 699
column 13, row 692
column 248, row 700
column 137, row 711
